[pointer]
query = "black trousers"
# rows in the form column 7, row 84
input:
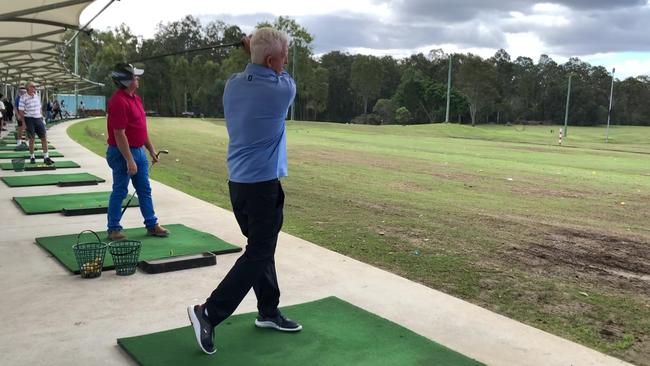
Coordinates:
column 258, row 210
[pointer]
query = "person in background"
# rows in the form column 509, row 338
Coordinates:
column 64, row 112
column 8, row 115
column 56, row 109
column 20, row 131
column 81, row 111
column 3, row 111
column 48, row 111
column 128, row 142
column 30, row 110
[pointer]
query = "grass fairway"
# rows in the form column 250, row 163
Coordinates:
column 556, row 237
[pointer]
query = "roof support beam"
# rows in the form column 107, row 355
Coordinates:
column 33, row 37
column 39, row 9
column 42, row 21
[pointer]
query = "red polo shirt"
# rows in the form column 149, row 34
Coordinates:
column 125, row 112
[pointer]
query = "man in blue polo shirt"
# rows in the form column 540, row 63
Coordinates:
column 256, row 102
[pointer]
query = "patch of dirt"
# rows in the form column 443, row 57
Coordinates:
column 406, row 186
column 548, row 149
column 455, row 176
column 541, row 191
column 620, row 262
column 436, row 169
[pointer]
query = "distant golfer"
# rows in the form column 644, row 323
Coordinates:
column 127, row 140
column 256, row 102
column 20, row 130
column 30, row 111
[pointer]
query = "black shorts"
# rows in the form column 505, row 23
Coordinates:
column 35, row 126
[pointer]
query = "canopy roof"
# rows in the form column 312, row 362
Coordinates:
column 31, row 36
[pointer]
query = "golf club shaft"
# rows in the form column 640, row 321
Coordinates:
column 192, row 50
column 133, row 195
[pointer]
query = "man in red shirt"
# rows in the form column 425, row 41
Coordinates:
column 127, row 141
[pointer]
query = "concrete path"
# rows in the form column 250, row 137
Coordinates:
column 50, row 317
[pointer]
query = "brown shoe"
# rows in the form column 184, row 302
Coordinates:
column 158, row 231
column 116, row 235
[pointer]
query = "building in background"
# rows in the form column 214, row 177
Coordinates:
column 94, row 105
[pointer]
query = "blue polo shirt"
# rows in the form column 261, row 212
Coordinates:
column 256, row 102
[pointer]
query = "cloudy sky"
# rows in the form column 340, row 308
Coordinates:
column 612, row 33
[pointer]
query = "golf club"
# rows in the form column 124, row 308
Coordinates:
column 134, row 192
column 192, row 50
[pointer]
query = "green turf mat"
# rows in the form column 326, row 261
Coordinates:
column 182, row 241
column 50, row 179
column 334, row 333
column 58, row 202
column 13, row 147
column 25, row 154
column 57, row 164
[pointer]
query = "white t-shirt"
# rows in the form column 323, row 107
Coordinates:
column 31, row 105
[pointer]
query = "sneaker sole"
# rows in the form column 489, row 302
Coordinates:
column 272, row 325
column 197, row 329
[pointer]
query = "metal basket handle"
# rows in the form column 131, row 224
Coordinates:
column 133, row 250
column 123, row 254
column 89, row 231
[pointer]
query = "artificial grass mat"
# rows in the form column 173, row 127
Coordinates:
column 181, row 241
column 334, row 333
column 70, row 201
column 25, row 154
column 50, row 179
column 57, row 165
column 14, row 147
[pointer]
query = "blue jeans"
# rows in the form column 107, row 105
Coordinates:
column 121, row 187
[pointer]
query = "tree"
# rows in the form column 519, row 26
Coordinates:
column 391, row 76
column 340, row 98
column 403, row 116
column 385, row 109
column 504, row 70
column 336, row 86
column 476, row 80
column 423, row 97
column 316, row 91
column 366, row 78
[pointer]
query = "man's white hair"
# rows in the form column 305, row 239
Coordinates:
column 267, row 42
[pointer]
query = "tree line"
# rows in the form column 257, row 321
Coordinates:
column 340, row 87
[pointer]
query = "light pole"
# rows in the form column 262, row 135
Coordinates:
column 293, row 75
column 609, row 111
column 448, row 91
column 566, row 113
column 76, row 73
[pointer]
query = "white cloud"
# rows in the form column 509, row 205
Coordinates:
column 559, row 28
column 142, row 16
column 525, row 44
column 625, row 66
column 549, row 8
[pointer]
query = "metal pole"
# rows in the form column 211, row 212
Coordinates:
column 76, row 72
column 293, row 75
column 448, row 91
column 566, row 113
column 609, row 111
